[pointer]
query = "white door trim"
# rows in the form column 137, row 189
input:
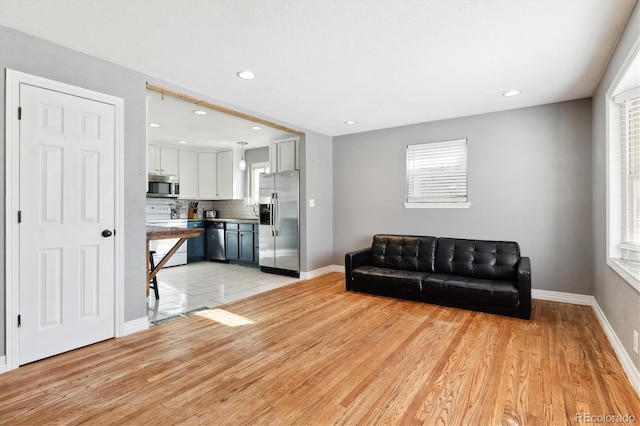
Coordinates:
column 12, row 198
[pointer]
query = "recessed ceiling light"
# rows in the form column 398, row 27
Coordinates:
column 154, row 125
column 350, row 123
column 256, row 127
column 200, row 112
column 511, row 93
column 182, row 141
column 246, row 75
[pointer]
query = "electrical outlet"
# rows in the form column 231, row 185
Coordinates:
column 635, row 341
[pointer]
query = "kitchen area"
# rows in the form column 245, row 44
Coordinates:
column 235, row 181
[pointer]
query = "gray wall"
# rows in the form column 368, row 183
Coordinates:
column 619, row 301
column 22, row 52
column 316, row 222
column 529, row 174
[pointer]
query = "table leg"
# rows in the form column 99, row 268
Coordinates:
column 148, row 267
column 162, row 262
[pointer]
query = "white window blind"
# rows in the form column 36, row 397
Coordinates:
column 437, row 172
column 630, row 168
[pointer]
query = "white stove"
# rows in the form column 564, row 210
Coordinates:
column 161, row 216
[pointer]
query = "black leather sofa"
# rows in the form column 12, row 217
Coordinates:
column 487, row 276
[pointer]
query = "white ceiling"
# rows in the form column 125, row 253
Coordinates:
column 215, row 130
column 320, row 63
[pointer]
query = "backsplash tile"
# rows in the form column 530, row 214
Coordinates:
column 227, row 209
column 234, row 209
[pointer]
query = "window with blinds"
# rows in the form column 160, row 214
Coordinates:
column 630, row 168
column 437, row 172
column 622, row 113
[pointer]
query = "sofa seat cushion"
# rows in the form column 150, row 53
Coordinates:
column 468, row 288
column 389, row 279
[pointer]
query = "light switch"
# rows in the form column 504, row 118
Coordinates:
column 312, row 202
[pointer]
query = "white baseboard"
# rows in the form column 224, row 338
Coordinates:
column 135, row 325
column 321, row 271
column 3, row 364
column 559, row 296
column 582, row 299
column 627, row 363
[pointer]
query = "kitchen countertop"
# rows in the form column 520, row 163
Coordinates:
column 217, row 219
column 163, row 232
column 220, row 219
column 182, row 223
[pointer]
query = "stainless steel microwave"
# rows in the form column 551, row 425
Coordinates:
column 163, row 186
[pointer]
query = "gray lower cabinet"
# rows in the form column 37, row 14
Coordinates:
column 195, row 245
column 241, row 242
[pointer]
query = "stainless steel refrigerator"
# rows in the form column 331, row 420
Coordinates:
column 279, row 230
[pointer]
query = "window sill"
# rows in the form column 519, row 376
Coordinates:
column 437, row 205
column 628, row 270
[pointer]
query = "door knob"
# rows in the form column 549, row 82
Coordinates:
column 106, row 233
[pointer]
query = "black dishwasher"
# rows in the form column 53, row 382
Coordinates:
column 214, row 245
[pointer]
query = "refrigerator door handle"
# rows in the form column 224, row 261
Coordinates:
column 276, row 215
column 272, row 214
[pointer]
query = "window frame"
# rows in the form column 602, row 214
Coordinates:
column 438, row 204
column 617, row 251
column 253, row 181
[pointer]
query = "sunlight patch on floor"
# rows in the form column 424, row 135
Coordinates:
column 224, row 317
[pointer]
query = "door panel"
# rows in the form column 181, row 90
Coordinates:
column 49, row 296
column 52, row 184
column 67, row 286
column 90, row 186
column 89, row 281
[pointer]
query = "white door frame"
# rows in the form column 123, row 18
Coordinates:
column 12, row 202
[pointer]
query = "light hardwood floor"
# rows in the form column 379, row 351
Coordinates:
column 312, row 354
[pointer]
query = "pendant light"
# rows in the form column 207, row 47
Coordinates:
column 243, row 164
column 199, row 110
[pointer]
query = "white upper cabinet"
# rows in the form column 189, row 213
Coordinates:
column 207, row 188
column 230, row 177
column 188, row 172
column 203, row 175
column 273, row 157
column 168, row 161
column 284, row 156
column 162, row 160
column 225, row 175
column 153, row 159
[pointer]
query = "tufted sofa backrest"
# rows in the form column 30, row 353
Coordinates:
column 494, row 260
column 412, row 253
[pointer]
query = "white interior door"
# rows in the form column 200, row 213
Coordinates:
column 67, row 199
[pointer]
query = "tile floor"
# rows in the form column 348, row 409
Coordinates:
column 188, row 287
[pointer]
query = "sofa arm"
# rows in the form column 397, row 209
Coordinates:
column 524, row 287
column 354, row 260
